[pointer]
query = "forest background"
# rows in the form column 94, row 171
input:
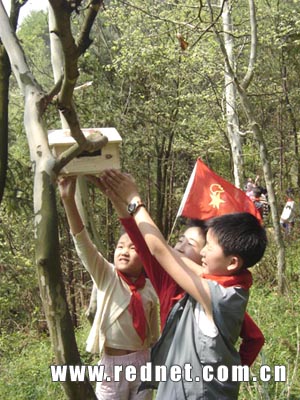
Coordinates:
column 167, row 102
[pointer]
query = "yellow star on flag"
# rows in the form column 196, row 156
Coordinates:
column 215, row 194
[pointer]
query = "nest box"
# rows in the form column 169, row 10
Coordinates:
column 87, row 163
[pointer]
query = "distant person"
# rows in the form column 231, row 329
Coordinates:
column 260, row 202
column 126, row 320
column 287, row 218
column 250, row 185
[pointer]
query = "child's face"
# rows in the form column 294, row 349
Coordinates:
column 126, row 258
column 190, row 243
column 214, row 261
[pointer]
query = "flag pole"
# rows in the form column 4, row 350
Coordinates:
column 185, row 195
column 173, row 227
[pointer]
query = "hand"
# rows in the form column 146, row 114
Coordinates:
column 119, row 204
column 67, row 187
column 123, row 185
column 97, row 182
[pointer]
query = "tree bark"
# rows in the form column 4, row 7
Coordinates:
column 232, row 121
column 258, row 135
column 295, row 166
column 5, row 72
column 47, row 249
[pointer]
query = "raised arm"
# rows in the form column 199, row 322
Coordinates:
column 162, row 282
column 67, row 187
column 124, row 186
column 93, row 261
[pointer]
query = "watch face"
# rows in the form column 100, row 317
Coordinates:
column 131, row 207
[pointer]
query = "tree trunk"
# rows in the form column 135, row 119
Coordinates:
column 5, row 72
column 232, row 120
column 258, row 135
column 47, row 250
column 82, row 195
column 45, row 222
column 86, row 213
column 295, row 166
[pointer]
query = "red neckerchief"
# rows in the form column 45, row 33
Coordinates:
column 243, row 279
column 136, row 307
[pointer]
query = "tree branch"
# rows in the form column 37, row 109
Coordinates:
column 76, row 149
column 16, row 56
column 84, row 40
column 71, row 52
column 253, row 49
column 213, row 21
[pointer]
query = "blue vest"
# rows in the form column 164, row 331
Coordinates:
column 183, row 344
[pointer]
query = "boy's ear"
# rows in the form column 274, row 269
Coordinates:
column 235, row 264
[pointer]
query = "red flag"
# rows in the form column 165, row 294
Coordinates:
column 208, row 195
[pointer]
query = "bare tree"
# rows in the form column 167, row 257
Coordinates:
column 241, row 87
column 84, row 207
column 232, row 120
column 46, row 167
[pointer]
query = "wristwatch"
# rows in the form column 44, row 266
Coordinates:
column 134, row 206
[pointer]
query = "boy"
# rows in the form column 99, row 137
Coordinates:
column 126, row 321
column 212, row 315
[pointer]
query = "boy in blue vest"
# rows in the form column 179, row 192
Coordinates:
column 212, row 313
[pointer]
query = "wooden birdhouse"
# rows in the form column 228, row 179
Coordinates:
column 87, row 163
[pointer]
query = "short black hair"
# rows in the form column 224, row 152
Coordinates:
column 198, row 223
column 257, row 192
column 240, row 234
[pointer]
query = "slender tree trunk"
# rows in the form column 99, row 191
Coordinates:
column 86, row 211
column 281, row 144
column 82, row 195
column 232, row 120
column 5, row 72
column 47, row 251
column 258, row 135
column 295, row 165
column 159, row 185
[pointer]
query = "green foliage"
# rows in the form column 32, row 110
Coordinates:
column 19, row 298
column 34, row 36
